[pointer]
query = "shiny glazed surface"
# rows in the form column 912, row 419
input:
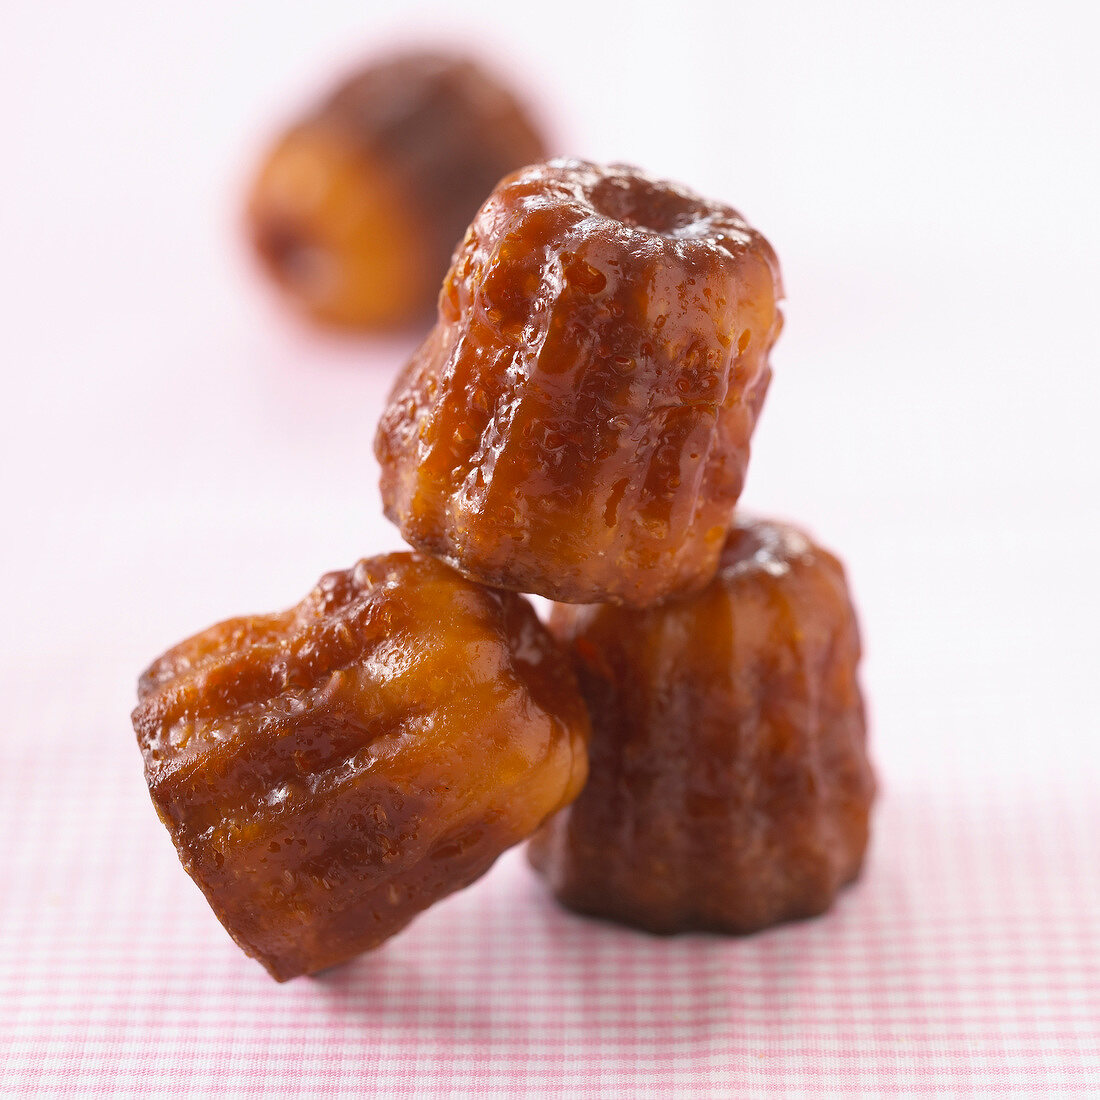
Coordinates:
column 358, row 207
column 328, row 772
column 729, row 786
column 578, row 422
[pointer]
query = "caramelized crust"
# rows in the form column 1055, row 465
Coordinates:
column 329, row 772
column 578, row 422
column 729, row 786
column 357, row 209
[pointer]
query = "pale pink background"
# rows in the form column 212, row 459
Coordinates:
column 177, row 449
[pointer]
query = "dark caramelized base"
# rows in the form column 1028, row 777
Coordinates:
column 729, row 787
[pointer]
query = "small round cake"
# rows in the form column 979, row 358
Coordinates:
column 357, row 209
column 328, row 772
column 729, row 786
column 577, row 424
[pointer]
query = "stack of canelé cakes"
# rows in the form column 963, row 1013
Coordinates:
column 685, row 741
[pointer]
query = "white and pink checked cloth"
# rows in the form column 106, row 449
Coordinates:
column 967, row 961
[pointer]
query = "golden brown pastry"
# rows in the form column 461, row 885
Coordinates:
column 729, row 786
column 578, row 422
column 356, row 210
column 328, row 772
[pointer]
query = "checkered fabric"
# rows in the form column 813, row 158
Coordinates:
column 967, row 961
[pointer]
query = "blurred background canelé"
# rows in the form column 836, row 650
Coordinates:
column 357, row 207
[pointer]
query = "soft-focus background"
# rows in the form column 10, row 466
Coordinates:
column 177, row 448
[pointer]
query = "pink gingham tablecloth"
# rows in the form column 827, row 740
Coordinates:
column 967, row 961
